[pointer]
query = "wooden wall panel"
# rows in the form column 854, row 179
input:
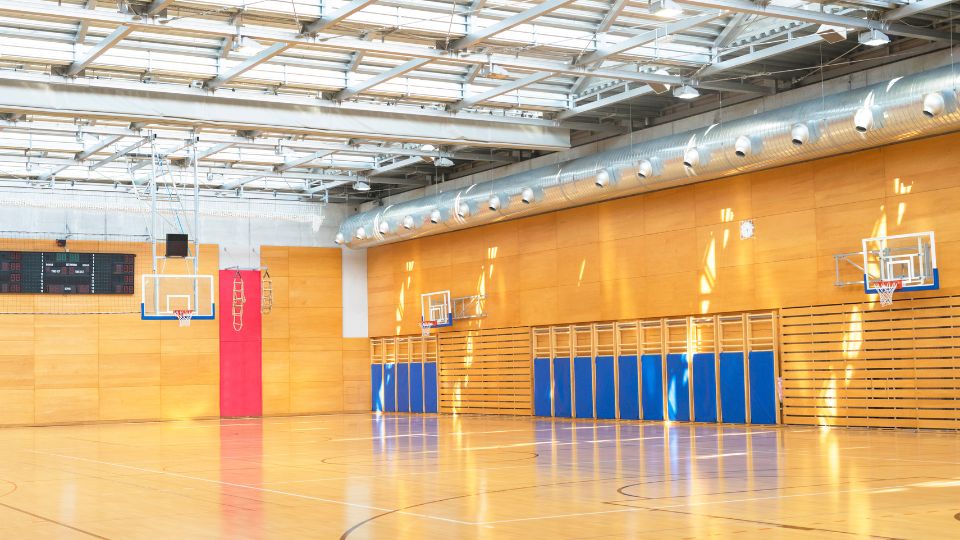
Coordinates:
column 86, row 367
column 486, row 371
column 308, row 367
column 681, row 247
column 858, row 364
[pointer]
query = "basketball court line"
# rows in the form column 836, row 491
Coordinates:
column 244, row 486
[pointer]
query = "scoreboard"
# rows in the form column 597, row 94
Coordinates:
column 35, row 272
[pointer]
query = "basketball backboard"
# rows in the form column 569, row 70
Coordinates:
column 162, row 295
column 903, row 262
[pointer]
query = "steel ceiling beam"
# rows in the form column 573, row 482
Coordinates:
column 770, row 10
column 325, row 187
column 303, row 160
column 189, row 107
column 337, row 16
column 122, row 152
column 383, row 76
column 473, row 99
column 605, row 102
column 215, row 149
column 97, row 50
column 340, row 43
column 84, row 25
column 914, row 8
column 649, row 36
column 730, row 31
column 97, row 146
column 477, row 36
column 158, row 6
column 246, row 65
column 761, row 54
column 399, row 164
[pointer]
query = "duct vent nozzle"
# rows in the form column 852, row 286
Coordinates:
column 494, row 203
column 691, row 158
column 800, row 134
column 435, row 216
column 463, row 210
column 361, row 233
column 339, row 239
column 384, row 227
column 934, row 104
column 602, row 179
column 743, row 146
column 526, row 195
column 645, row 168
column 407, row 222
column 863, row 119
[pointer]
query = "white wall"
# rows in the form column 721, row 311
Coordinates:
column 354, row 292
column 238, row 226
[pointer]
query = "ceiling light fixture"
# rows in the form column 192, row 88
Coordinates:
column 686, row 92
column 873, row 38
column 361, row 185
column 665, row 9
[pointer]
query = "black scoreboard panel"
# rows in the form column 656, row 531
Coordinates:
column 36, row 272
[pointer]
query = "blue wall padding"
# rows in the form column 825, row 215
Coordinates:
column 416, row 387
column 583, row 386
column 403, row 387
column 542, row 404
column 678, row 388
column 430, row 387
column 733, row 405
column 763, row 388
column 606, row 399
column 561, row 388
column 389, row 388
column 376, row 387
column 651, row 377
column 628, row 391
column 704, row 387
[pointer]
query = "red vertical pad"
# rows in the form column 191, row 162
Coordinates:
column 241, row 384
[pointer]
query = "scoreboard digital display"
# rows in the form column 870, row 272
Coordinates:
column 36, row 272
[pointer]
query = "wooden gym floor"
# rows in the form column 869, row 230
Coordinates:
column 362, row 476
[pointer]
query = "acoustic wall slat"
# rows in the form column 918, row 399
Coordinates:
column 487, row 371
column 860, row 365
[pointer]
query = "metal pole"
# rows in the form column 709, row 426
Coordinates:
column 196, row 226
column 153, row 224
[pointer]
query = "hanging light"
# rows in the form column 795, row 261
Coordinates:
column 686, row 92
column 873, row 38
column 361, row 185
column 665, row 9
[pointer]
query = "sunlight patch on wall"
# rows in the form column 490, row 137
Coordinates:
column 853, row 334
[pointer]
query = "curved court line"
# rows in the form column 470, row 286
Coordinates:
column 244, row 486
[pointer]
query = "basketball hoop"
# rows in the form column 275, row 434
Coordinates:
column 885, row 290
column 183, row 316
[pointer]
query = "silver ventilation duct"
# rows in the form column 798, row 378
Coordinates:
column 904, row 108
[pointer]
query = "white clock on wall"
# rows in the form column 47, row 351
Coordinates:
column 747, row 229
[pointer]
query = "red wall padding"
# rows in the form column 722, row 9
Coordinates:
column 241, row 388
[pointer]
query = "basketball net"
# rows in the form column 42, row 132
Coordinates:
column 183, row 316
column 425, row 328
column 885, row 290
